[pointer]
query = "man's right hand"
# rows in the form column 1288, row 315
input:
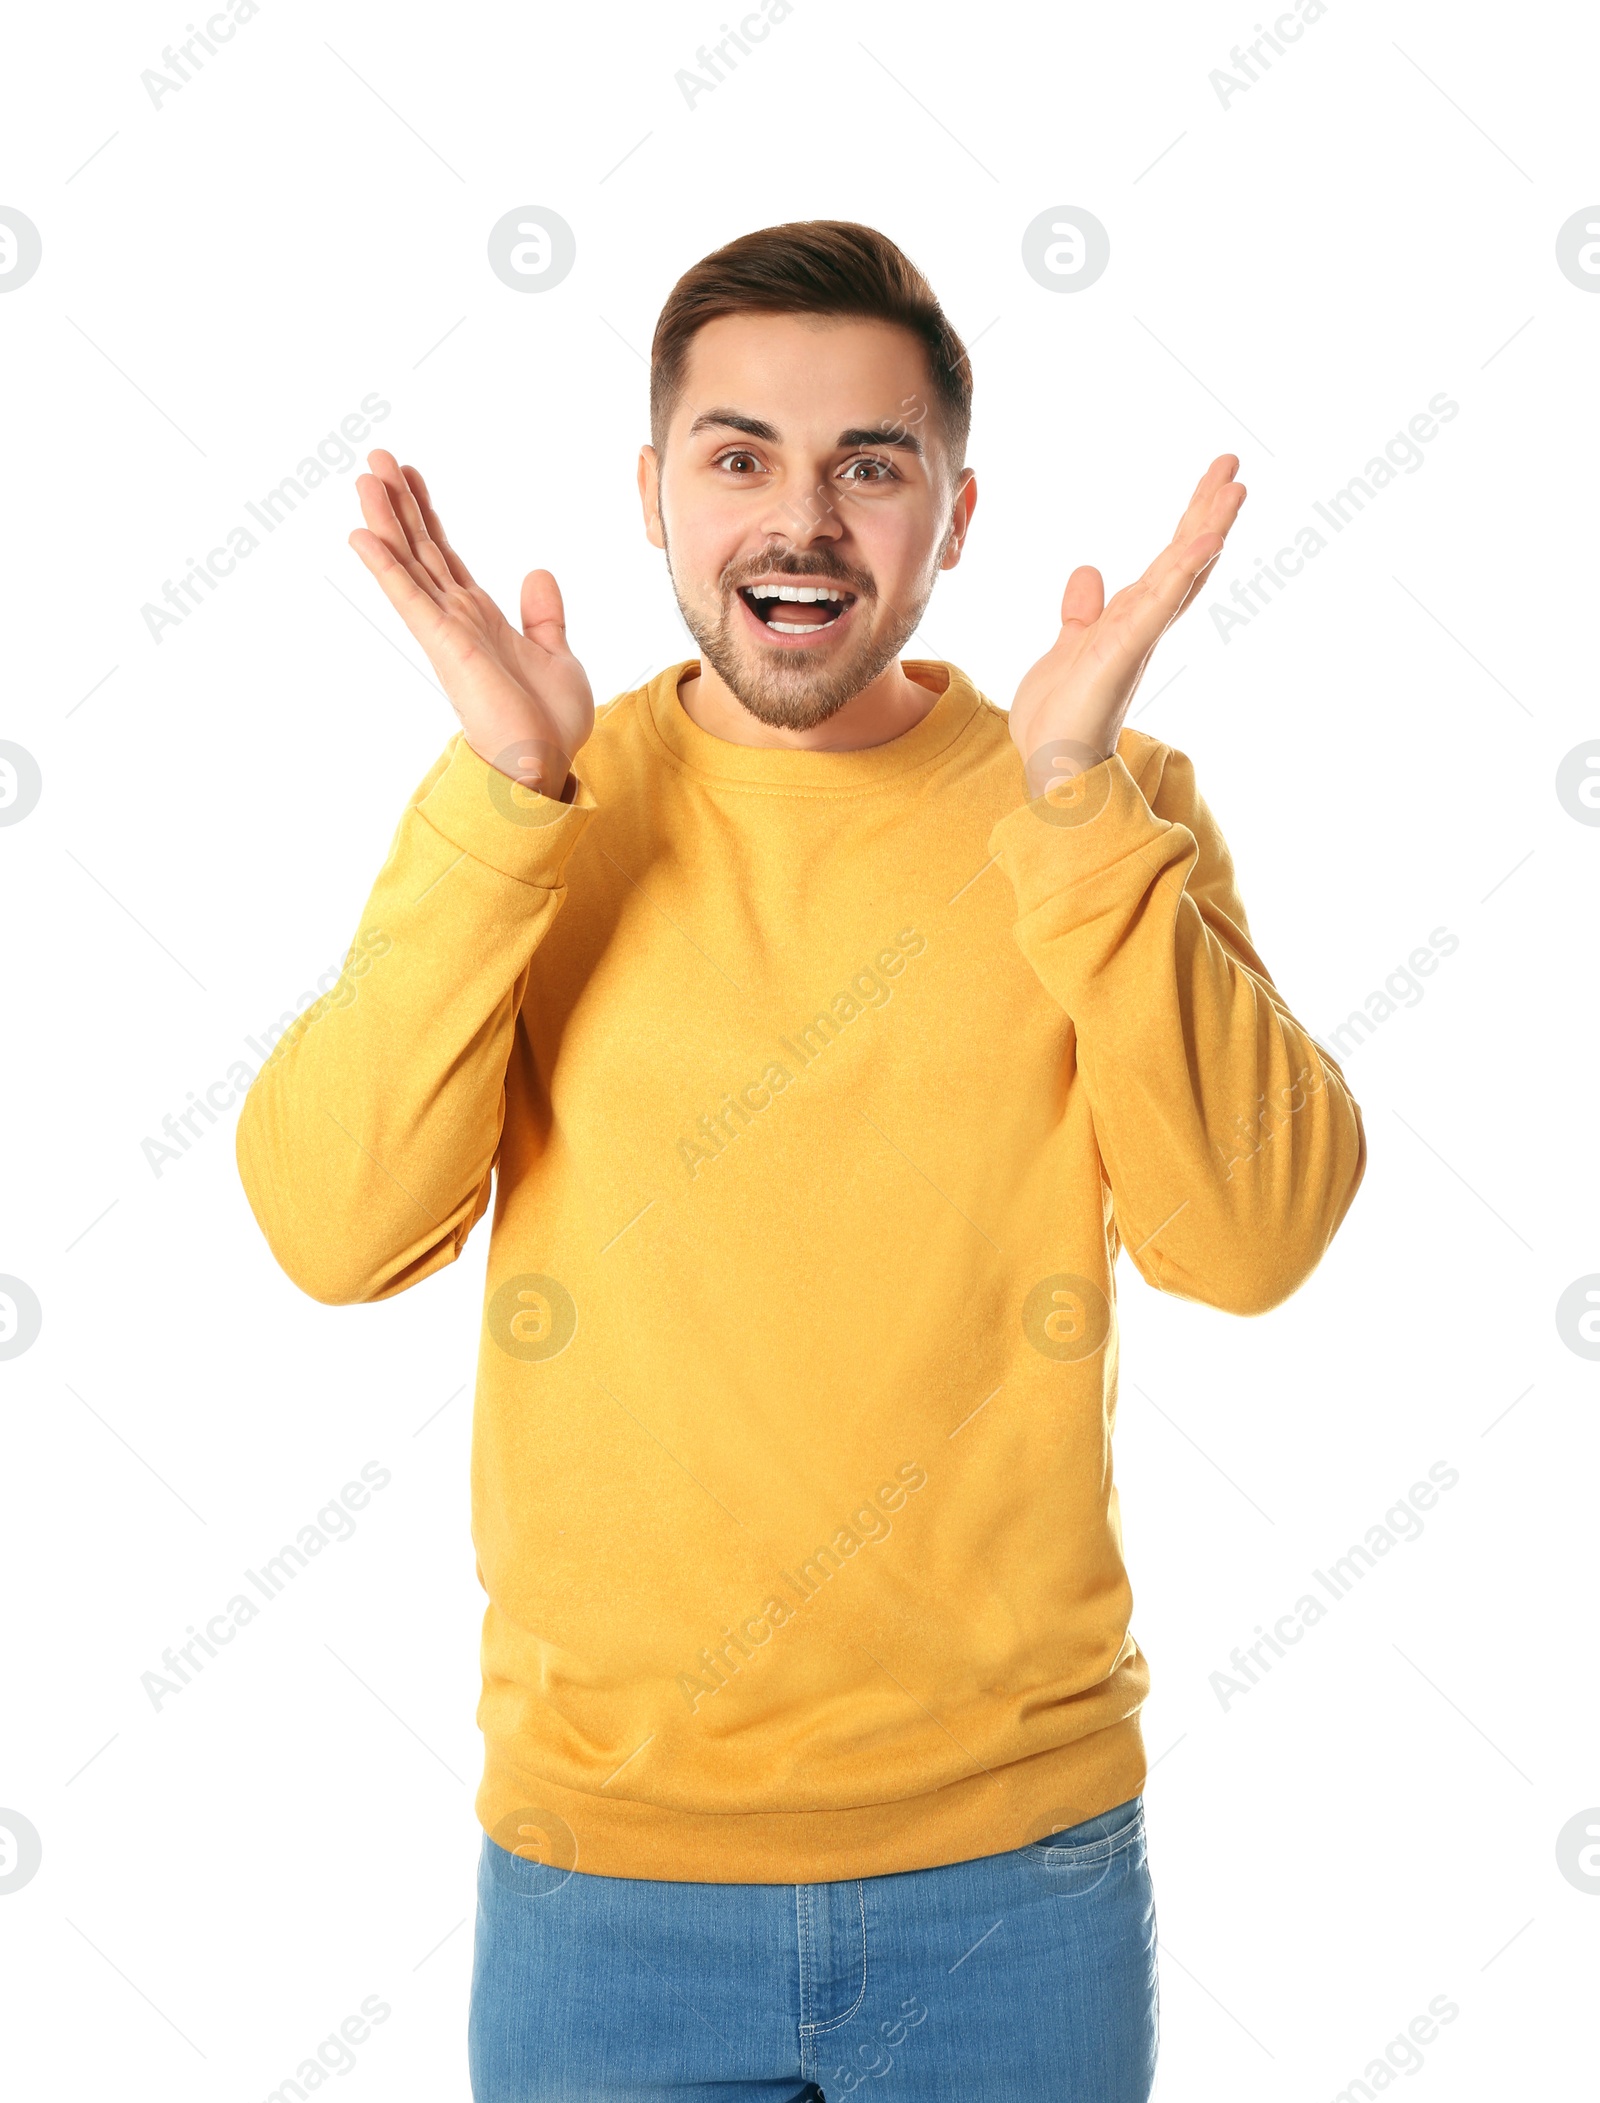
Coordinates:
column 524, row 700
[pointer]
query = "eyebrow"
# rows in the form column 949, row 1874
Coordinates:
column 754, row 427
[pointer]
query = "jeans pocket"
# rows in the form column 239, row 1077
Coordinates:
column 1073, row 1860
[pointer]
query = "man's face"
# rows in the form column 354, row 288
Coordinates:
column 805, row 452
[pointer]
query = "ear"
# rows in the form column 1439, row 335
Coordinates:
column 650, row 495
column 962, row 506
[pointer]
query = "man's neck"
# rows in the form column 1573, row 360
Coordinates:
column 893, row 704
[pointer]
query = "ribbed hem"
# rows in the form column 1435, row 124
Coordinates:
column 983, row 1814
column 512, row 829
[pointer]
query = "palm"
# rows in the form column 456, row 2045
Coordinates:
column 524, row 700
column 1077, row 694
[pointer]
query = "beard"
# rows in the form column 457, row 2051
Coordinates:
column 787, row 689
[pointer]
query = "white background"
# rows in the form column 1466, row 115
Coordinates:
column 1292, row 277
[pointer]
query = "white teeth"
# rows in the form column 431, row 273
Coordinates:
column 805, row 594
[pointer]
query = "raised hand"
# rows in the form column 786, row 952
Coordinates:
column 524, row 700
column 1070, row 706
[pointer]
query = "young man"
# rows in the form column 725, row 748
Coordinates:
column 830, row 1031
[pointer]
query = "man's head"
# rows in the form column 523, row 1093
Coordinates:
column 809, row 410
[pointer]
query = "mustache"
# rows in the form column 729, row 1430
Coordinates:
column 800, row 570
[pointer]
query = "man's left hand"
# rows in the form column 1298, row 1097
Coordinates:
column 1070, row 706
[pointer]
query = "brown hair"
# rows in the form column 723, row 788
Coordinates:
column 811, row 266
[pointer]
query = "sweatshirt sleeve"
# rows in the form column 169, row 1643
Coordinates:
column 367, row 1141
column 1232, row 1145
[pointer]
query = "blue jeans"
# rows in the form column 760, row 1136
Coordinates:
column 1016, row 1978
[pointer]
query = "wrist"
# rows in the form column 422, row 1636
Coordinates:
column 536, row 766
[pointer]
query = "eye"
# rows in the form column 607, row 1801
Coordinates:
column 887, row 473
column 724, row 459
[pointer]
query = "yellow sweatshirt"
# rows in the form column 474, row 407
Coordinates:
column 823, row 1089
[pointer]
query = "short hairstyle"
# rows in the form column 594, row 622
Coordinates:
column 811, row 266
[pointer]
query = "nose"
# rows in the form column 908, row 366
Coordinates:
column 801, row 516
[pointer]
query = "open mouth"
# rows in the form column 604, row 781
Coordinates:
column 792, row 613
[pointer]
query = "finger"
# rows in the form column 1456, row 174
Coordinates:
column 436, row 532
column 1226, row 503
column 415, row 604
column 384, row 469
column 1144, row 613
column 1183, row 579
column 379, row 513
column 1147, row 612
column 1217, row 476
column 1212, row 502
column 1197, row 583
column 544, row 619
column 1223, row 468
column 1216, row 516
column 423, row 546
column 1085, row 596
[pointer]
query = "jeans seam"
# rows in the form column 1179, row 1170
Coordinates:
column 802, row 1929
column 837, row 2022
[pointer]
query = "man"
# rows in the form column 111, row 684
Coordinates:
column 823, row 1032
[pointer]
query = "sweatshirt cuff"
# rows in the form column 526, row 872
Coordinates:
column 1079, row 829
column 515, row 830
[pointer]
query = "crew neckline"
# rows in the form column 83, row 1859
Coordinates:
column 773, row 766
